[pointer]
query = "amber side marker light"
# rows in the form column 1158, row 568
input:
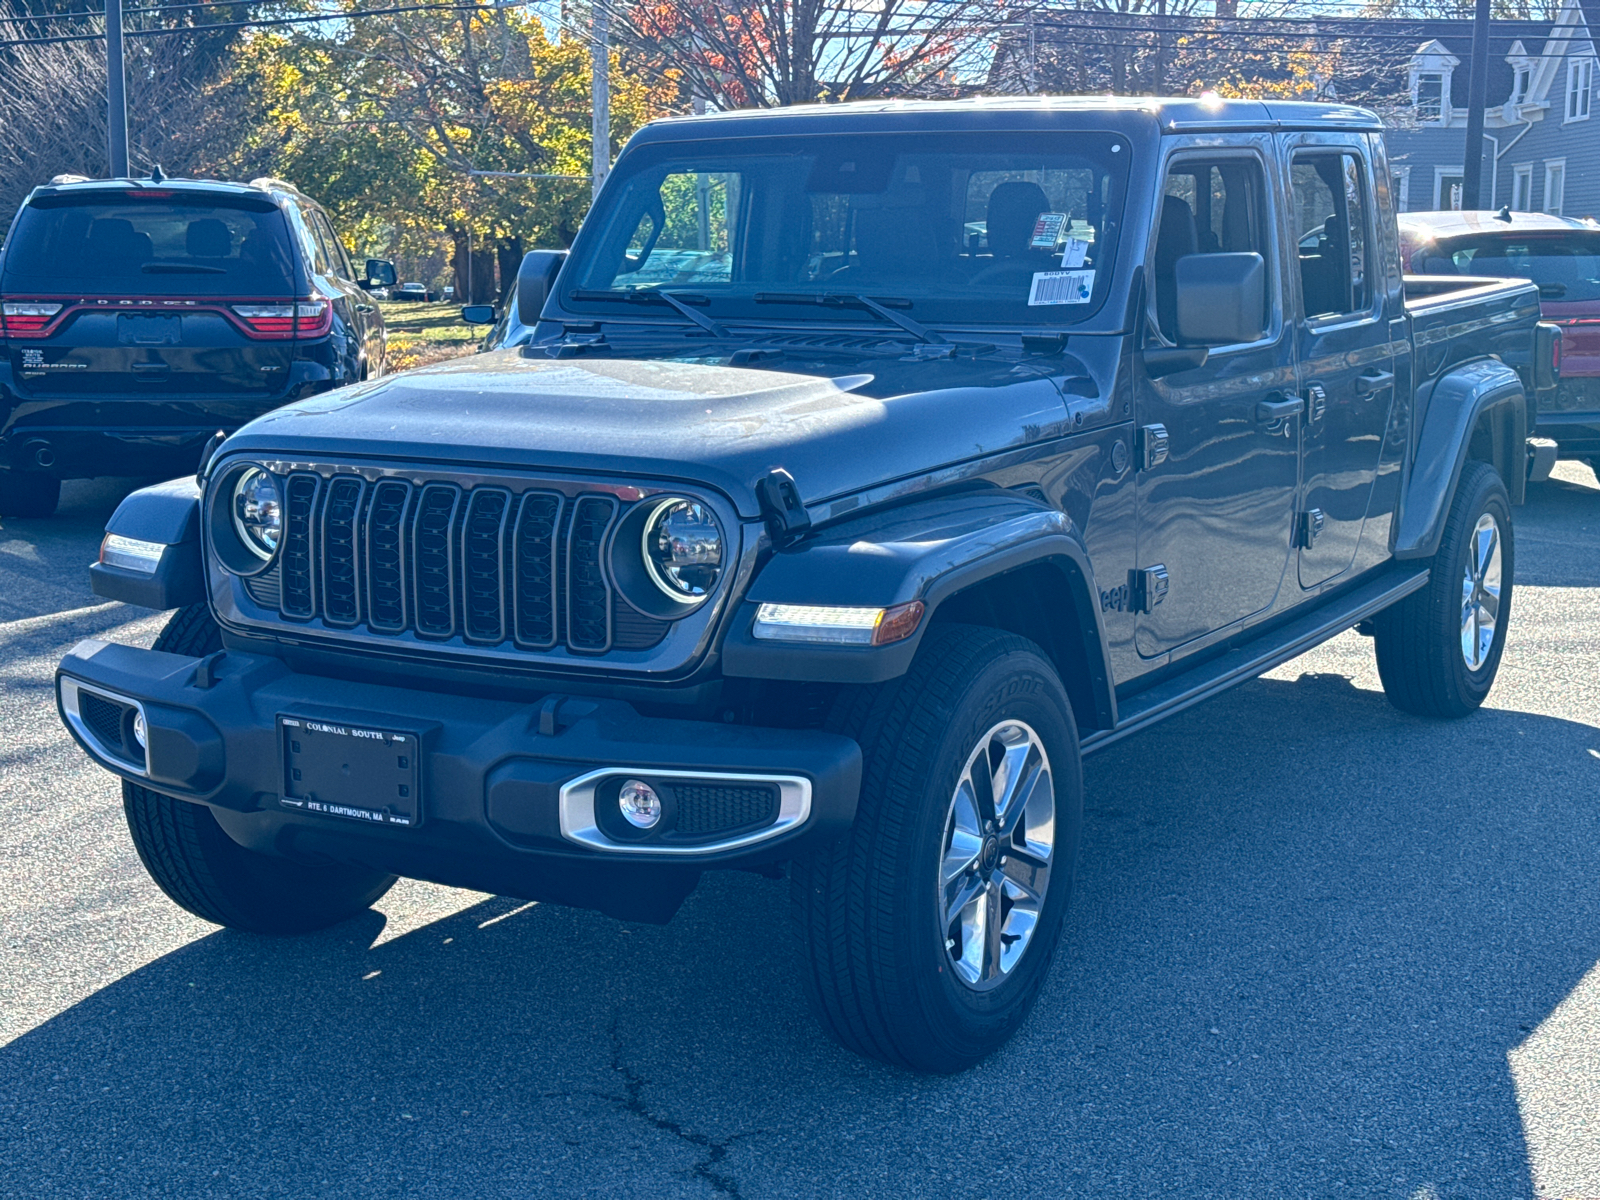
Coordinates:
column 833, row 625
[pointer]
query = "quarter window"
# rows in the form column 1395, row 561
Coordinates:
column 1333, row 233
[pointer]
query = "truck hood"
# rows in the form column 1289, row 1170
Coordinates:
column 701, row 421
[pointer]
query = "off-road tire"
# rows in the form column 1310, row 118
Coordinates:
column 1418, row 640
column 28, row 494
column 866, row 907
column 206, row 872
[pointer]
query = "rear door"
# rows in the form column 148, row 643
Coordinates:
column 143, row 292
column 1345, row 347
column 1217, row 445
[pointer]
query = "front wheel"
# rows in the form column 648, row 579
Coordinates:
column 1439, row 648
column 928, row 930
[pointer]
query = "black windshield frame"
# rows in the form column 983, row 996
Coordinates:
column 780, row 190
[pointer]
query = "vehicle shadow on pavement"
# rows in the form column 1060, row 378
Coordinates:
column 1556, row 530
column 1307, row 933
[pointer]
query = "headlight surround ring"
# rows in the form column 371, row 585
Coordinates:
column 237, row 536
column 683, row 549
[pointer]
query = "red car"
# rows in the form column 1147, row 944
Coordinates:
column 1562, row 256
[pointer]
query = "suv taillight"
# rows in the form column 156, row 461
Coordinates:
column 25, row 317
column 303, row 319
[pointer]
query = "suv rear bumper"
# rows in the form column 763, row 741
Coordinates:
column 503, row 785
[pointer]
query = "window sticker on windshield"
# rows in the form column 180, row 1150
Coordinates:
column 1061, row 287
column 1047, row 230
column 1074, row 254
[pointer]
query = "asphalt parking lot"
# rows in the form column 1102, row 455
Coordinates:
column 1318, row 949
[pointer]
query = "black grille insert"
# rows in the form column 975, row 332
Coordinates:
column 538, row 519
column 299, row 584
column 705, row 809
column 341, row 605
column 386, row 556
column 434, row 556
column 483, row 573
column 104, row 719
column 588, row 596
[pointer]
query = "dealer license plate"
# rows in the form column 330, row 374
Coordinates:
column 357, row 772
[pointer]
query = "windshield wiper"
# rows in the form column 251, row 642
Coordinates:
column 181, row 269
column 650, row 295
column 852, row 300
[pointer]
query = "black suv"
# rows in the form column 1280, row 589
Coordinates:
column 139, row 317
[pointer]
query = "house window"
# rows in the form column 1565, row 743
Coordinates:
column 1432, row 96
column 1555, row 185
column 1520, row 92
column 1522, row 188
column 1402, row 189
column 1580, row 82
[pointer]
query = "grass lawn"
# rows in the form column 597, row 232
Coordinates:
column 420, row 334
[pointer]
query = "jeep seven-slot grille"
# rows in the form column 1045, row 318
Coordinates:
column 484, row 565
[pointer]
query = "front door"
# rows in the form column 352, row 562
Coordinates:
column 1216, row 497
column 1346, row 359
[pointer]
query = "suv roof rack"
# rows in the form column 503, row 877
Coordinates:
column 54, row 179
column 267, row 183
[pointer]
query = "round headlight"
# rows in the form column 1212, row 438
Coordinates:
column 258, row 512
column 683, row 549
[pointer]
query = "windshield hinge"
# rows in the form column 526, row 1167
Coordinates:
column 786, row 515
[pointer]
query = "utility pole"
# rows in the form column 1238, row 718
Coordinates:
column 1477, row 99
column 600, row 69
column 116, row 95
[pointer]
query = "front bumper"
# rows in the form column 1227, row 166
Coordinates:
column 507, row 789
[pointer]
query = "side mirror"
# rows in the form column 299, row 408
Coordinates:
column 1222, row 299
column 478, row 314
column 536, row 280
column 380, row 273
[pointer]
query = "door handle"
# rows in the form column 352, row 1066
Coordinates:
column 1268, row 411
column 1370, row 383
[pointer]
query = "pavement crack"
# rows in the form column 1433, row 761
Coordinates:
column 715, row 1150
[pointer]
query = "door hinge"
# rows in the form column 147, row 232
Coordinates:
column 1307, row 527
column 1152, row 446
column 1147, row 587
column 1316, row 402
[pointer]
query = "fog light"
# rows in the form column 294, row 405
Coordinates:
column 138, row 729
column 640, row 805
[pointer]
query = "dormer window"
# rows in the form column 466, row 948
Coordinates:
column 1432, row 96
column 1580, row 83
column 1519, row 91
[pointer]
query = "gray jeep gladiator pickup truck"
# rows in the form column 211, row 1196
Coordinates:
column 869, row 466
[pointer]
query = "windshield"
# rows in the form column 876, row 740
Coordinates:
column 1566, row 266
column 166, row 245
column 962, row 228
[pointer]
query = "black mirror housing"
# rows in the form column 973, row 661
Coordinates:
column 1222, row 299
column 380, row 273
column 536, row 279
column 479, row 314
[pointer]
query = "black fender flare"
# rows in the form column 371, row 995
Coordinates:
column 927, row 551
column 1456, row 403
column 169, row 515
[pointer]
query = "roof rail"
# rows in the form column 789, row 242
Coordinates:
column 267, row 183
column 54, row 179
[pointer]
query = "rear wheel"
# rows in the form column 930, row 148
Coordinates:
column 1439, row 649
column 206, row 872
column 28, row 494
column 928, row 930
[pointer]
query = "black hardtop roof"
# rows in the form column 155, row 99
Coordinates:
column 1145, row 115
column 270, row 189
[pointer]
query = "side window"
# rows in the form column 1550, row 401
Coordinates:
column 1207, row 207
column 335, row 248
column 1333, row 233
column 312, row 240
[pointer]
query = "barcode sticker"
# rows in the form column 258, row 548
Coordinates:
column 1061, row 287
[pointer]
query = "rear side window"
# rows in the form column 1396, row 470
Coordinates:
column 98, row 245
column 1333, row 233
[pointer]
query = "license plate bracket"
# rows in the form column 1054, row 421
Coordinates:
column 355, row 771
